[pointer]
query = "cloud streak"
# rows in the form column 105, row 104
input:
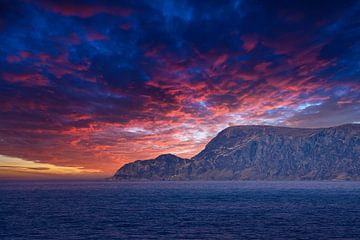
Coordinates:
column 11, row 167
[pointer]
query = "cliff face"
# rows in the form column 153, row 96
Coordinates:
column 262, row 153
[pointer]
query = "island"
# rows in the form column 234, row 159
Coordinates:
column 259, row 152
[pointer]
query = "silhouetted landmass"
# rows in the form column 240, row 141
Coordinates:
column 261, row 153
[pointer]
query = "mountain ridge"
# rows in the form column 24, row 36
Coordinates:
column 261, row 152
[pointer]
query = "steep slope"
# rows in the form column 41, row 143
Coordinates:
column 264, row 153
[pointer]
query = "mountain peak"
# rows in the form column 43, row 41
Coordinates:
column 166, row 155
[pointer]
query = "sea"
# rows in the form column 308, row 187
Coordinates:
column 179, row 210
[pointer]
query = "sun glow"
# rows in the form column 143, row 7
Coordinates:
column 12, row 167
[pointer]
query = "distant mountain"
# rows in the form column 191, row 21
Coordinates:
column 261, row 153
column 164, row 167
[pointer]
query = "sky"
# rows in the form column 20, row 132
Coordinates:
column 87, row 86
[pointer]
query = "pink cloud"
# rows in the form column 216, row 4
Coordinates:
column 249, row 42
column 31, row 79
column 95, row 36
column 85, row 10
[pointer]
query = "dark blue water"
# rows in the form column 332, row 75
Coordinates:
column 180, row 210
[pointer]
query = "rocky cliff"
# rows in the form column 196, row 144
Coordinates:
column 261, row 153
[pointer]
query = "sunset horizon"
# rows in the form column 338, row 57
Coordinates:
column 89, row 86
column 179, row 119
column 20, row 169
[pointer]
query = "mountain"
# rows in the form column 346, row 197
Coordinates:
column 261, row 153
column 164, row 167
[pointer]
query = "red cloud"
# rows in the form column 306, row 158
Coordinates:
column 13, row 59
column 95, row 36
column 26, row 78
column 125, row 26
column 73, row 8
column 249, row 42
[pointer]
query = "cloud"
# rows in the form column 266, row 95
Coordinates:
column 26, row 168
column 14, row 167
column 98, row 84
column 83, row 9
